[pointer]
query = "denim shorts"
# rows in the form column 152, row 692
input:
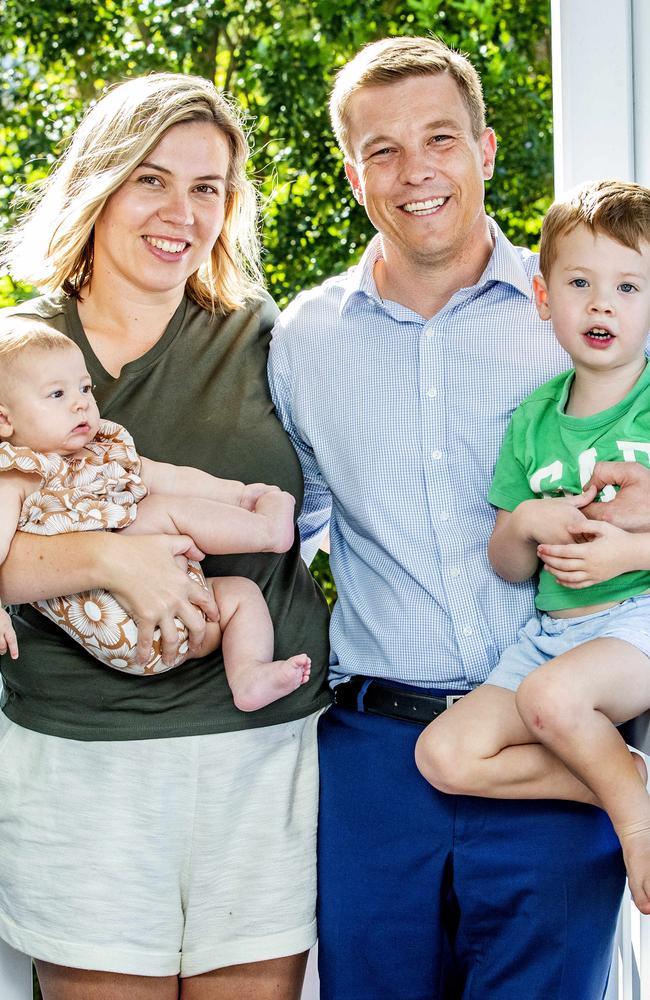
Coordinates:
column 544, row 638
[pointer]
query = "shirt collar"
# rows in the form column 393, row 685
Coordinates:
column 505, row 265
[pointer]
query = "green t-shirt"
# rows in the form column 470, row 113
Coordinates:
column 547, row 453
column 199, row 397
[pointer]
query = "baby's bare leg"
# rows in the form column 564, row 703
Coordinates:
column 220, row 528
column 480, row 746
column 255, row 679
column 570, row 704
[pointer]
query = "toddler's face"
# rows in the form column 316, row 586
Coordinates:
column 48, row 404
column 598, row 297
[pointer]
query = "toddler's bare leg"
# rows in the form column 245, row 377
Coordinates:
column 255, row 679
column 220, row 528
column 480, row 746
column 570, row 704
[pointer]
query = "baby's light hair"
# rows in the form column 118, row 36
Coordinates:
column 19, row 334
column 616, row 209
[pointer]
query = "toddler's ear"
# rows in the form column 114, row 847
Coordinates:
column 542, row 302
column 6, row 426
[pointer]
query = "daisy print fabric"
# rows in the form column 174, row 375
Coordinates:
column 97, row 491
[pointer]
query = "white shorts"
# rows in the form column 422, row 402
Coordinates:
column 159, row 857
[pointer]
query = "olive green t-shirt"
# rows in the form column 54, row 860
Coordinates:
column 199, row 397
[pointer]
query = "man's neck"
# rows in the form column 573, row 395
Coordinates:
column 427, row 286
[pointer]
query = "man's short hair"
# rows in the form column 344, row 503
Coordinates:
column 392, row 60
column 614, row 208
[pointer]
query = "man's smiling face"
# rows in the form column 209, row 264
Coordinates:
column 418, row 170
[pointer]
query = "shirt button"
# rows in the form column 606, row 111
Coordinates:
column 454, row 571
column 444, row 515
column 436, row 454
column 468, row 631
column 429, row 333
column 432, row 393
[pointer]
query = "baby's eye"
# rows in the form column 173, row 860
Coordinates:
column 87, row 388
column 579, row 283
column 627, row 286
column 57, row 394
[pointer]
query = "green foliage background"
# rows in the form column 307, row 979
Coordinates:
column 278, row 59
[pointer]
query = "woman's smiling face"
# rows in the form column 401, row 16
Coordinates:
column 162, row 223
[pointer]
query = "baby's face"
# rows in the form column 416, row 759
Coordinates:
column 49, row 401
column 598, row 297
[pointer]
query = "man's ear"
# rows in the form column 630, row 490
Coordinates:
column 489, row 151
column 355, row 183
column 542, row 302
column 6, row 426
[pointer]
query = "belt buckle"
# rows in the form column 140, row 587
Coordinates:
column 451, row 698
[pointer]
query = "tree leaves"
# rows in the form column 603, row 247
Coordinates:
column 278, row 59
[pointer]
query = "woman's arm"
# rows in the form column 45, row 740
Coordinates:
column 38, row 568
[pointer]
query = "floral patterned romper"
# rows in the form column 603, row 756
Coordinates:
column 97, row 492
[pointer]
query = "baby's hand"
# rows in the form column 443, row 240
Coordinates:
column 253, row 492
column 607, row 552
column 8, row 641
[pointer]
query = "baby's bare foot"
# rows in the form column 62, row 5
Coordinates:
column 263, row 683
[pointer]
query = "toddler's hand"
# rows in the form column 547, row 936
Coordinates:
column 558, row 520
column 607, row 552
column 8, row 641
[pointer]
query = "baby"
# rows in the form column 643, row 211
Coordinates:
column 63, row 469
column 541, row 725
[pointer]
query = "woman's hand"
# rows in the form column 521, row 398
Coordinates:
column 147, row 574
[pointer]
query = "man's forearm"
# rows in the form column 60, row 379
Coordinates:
column 39, row 567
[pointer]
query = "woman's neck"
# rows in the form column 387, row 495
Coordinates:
column 122, row 327
column 595, row 391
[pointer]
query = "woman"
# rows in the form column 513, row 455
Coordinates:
column 156, row 841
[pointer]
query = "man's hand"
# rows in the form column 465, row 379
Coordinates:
column 607, row 552
column 630, row 509
column 8, row 641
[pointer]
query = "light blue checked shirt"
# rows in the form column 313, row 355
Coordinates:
column 398, row 421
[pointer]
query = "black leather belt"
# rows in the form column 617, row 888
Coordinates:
column 363, row 694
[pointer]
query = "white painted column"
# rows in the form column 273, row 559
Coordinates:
column 15, row 974
column 601, row 90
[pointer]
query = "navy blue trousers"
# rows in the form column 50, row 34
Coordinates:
column 425, row 896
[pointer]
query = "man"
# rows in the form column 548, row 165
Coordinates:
column 396, row 381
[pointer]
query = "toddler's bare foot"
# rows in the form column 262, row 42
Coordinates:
column 262, row 683
column 635, row 841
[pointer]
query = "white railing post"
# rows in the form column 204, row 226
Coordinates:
column 15, row 974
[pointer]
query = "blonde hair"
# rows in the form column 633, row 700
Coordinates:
column 52, row 248
column 392, row 60
column 614, row 208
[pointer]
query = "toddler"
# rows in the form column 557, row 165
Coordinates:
column 543, row 724
column 63, row 469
